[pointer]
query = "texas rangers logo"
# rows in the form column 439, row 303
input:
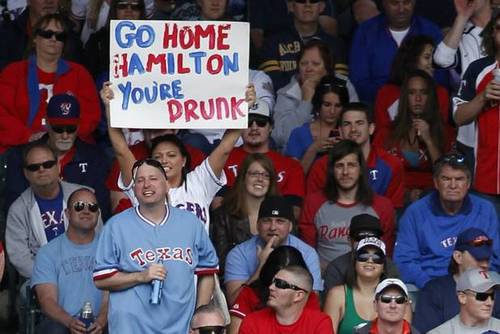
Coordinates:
column 65, row 108
column 143, row 257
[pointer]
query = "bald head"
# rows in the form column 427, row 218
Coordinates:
column 301, row 276
column 206, row 315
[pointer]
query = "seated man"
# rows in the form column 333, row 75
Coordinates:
column 437, row 301
column 429, row 227
column 326, row 215
column 244, row 261
column 80, row 162
column 362, row 226
column 207, row 319
column 36, row 217
column 391, row 303
column 475, row 292
column 286, row 311
column 62, row 275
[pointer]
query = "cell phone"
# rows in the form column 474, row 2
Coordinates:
column 334, row 133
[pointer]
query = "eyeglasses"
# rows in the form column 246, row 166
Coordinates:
column 60, row 35
column 310, row 1
column 210, row 329
column 128, row 5
column 386, row 299
column 481, row 296
column 452, row 158
column 61, row 129
column 360, row 236
column 149, row 162
column 377, row 257
column 46, row 165
column 282, row 284
column 264, row 175
column 80, row 205
column 261, row 122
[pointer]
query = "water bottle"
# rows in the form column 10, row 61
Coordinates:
column 156, row 290
column 86, row 314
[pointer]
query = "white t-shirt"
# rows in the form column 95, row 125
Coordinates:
column 399, row 35
column 202, row 185
column 455, row 326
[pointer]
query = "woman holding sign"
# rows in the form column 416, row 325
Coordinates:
column 191, row 191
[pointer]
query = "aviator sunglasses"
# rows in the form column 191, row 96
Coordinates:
column 46, row 165
column 80, row 205
column 386, row 299
column 60, row 35
column 482, row 296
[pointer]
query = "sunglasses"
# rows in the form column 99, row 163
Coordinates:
column 60, row 35
column 386, row 299
column 46, row 165
column 482, row 296
column 80, row 205
column 129, row 5
column 210, row 329
column 453, row 158
column 310, row 1
column 149, row 162
column 261, row 122
column 281, row 284
column 61, row 129
column 377, row 257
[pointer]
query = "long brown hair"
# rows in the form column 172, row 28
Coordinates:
column 234, row 201
column 402, row 124
column 43, row 22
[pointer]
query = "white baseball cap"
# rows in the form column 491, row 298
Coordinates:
column 371, row 241
column 391, row 282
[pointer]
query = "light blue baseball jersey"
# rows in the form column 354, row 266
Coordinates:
column 130, row 243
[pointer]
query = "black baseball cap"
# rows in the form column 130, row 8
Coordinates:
column 276, row 206
column 365, row 223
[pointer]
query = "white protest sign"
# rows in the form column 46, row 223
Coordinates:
column 179, row 74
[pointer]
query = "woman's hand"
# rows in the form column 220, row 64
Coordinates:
column 107, row 93
column 423, row 129
column 324, row 144
column 250, row 95
column 309, row 87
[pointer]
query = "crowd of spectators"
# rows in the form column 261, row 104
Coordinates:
column 363, row 197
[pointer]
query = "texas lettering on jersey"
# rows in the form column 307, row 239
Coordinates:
column 144, row 257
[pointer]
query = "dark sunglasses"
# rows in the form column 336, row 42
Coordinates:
column 80, row 205
column 129, row 5
column 60, row 35
column 149, row 162
column 281, row 284
column 482, row 296
column 310, row 1
column 377, row 257
column 210, row 329
column 46, row 165
column 386, row 299
column 61, row 129
column 261, row 122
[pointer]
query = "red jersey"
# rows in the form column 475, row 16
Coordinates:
column 248, row 301
column 289, row 171
column 385, row 174
column 264, row 322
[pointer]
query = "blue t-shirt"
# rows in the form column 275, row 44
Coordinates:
column 51, row 213
column 69, row 267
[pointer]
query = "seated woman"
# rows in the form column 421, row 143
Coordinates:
column 311, row 140
column 294, row 101
column 236, row 220
column 192, row 191
column 417, row 136
column 415, row 53
column 351, row 305
column 254, row 297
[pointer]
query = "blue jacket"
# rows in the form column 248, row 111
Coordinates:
column 89, row 167
column 427, row 235
column 373, row 50
column 437, row 303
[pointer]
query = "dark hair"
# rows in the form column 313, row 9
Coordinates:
column 279, row 258
column 113, row 15
column 42, row 23
column 364, row 193
column 358, row 106
column 324, row 52
column 174, row 140
column 36, row 145
column 234, row 201
column 488, row 34
column 455, row 161
column 402, row 124
column 73, row 194
column 453, row 266
column 329, row 84
column 407, row 56
column 351, row 277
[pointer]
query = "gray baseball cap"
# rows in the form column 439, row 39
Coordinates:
column 477, row 280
